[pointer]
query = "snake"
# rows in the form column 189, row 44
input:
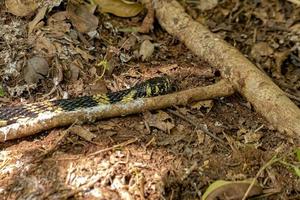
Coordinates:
column 152, row 87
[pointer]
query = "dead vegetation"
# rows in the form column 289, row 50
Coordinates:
column 65, row 49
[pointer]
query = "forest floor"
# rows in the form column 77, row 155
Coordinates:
column 151, row 155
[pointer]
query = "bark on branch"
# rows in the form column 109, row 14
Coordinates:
column 266, row 97
column 49, row 121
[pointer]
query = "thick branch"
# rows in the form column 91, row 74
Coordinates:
column 267, row 98
column 52, row 120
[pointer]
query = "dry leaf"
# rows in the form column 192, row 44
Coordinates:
column 58, row 25
column 108, row 125
column 82, row 18
column 37, row 19
column 208, row 104
column 76, row 88
column 162, row 121
column 233, row 190
column 148, row 21
column 21, row 8
column 118, row 7
column 207, row 4
column 37, row 68
column 128, row 43
column 146, row 50
column 84, row 54
column 74, row 70
column 200, row 136
column 261, row 49
column 98, row 87
column 252, row 137
column 44, row 46
column 84, row 133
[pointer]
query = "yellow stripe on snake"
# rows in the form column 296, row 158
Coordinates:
column 150, row 88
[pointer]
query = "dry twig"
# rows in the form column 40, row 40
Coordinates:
column 22, row 129
column 197, row 126
column 269, row 163
column 114, row 147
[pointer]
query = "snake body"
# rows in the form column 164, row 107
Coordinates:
column 150, row 88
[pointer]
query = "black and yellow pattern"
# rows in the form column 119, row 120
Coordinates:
column 152, row 87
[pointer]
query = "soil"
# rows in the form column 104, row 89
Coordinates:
column 151, row 155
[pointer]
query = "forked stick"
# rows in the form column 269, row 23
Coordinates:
column 266, row 97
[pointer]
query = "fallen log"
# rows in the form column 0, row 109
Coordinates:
column 266, row 97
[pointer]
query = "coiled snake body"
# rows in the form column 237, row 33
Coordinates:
column 152, row 87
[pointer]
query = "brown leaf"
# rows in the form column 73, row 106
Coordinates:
column 44, row 46
column 252, row 137
column 207, row 105
column 84, row 133
column 81, row 16
column 97, row 87
column 261, row 49
column 21, row 8
column 76, row 87
column 74, row 70
column 37, row 68
column 234, row 190
column 58, row 25
column 37, row 19
column 118, row 7
column 162, row 121
column 207, row 5
column 84, row 54
column 148, row 21
column 146, row 50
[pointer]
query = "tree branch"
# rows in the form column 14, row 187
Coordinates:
column 48, row 121
column 266, row 97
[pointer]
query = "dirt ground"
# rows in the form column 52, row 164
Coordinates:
column 157, row 154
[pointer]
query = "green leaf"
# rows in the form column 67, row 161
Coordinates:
column 297, row 171
column 105, row 65
column 2, row 93
column 298, row 154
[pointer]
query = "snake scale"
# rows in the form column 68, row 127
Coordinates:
column 150, row 88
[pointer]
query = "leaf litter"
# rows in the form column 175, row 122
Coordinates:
column 154, row 154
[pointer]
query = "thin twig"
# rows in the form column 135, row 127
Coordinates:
column 115, row 146
column 202, row 128
column 82, row 188
column 65, row 133
column 269, row 163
